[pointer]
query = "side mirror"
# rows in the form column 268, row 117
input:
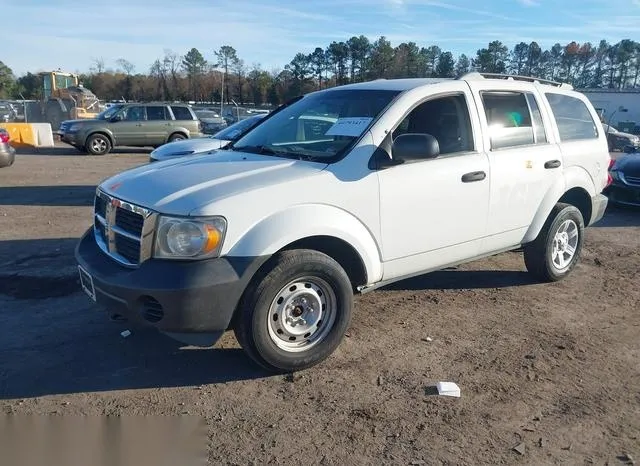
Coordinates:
column 115, row 118
column 415, row 146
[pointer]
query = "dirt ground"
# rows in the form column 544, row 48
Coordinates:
column 551, row 368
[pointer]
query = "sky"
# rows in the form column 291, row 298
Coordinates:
column 40, row 35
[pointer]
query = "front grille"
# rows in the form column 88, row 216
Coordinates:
column 130, row 222
column 123, row 230
column 634, row 180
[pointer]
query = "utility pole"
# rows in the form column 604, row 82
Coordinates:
column 222, row 94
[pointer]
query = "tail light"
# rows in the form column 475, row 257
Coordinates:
column 4, row 137
column 609, row 177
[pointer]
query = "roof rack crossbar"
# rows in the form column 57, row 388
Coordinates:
column 514, row 77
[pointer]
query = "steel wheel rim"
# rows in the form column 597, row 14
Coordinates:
column 564, row 245
column 99, row 145
column 302, row 314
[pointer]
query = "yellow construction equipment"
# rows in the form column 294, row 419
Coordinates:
column 64, row 98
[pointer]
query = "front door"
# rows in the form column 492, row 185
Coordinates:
column 434, row 212
column 524, row 162
column 130, row 129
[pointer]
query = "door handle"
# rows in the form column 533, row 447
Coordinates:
column 473, row 176
column 552, row 164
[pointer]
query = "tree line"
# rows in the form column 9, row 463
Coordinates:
column 192, row 77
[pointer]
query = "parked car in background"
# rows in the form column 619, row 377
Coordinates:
column 618, row 140
column 211, row 121
column 8, row 113
column 7, row 152
column 625, row 179
column 205, row 144
column 136, row 125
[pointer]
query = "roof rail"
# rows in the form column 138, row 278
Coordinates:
column 475, row 75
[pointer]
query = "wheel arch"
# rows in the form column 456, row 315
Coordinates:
column 102, row 132
column 323, row 228
column 575, row 187
column 179, row 131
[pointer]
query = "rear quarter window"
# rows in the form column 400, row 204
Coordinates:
column 572, row 117
column 182, row 113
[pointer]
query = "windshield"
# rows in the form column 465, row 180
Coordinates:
column 108, row 113
column 201, row 114
column 236, row 130
column 320, row 126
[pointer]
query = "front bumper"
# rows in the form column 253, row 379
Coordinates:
column 621, row 193
column 175, row 297
column 7, row 155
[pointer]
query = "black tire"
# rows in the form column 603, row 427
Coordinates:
column 54, row 116
column 98, row 144
column 177, row 137
column 539, row 254
column 255, row 316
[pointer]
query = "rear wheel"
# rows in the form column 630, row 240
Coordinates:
column 177, row 137
column 556, row 250
column 295, row 314
column 98, row 144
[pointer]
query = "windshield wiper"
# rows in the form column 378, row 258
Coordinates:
column 266, row 150
column 255, row 149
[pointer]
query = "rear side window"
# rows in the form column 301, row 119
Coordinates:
column 572, row 117
column 156, row 112
column 182, row 113
column 509, row 119
column 536, row 116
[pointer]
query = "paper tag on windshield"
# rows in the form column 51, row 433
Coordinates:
column 353, row 126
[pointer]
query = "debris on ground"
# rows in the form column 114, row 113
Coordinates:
column 448, row 389
column 125, row 333
column 519, row 448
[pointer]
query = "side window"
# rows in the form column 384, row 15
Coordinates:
column 156, row 112
column 181, row 113
column 134, row 113
column 508, row 118
column 538, row 125
column 572, row 117
column 445, row 118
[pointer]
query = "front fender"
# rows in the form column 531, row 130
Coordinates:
column 303, row 221
column 573, row 177
column 102, row 130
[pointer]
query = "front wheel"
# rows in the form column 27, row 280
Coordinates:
column 295, row 314
column 556, row 250
column 98, row 144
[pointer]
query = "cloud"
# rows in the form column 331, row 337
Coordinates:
column 529, row 2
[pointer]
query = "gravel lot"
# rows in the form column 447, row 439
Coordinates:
column 552, row 368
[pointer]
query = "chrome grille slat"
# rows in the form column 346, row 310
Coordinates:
column 123, row 230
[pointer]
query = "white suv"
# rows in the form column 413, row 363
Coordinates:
column 394, row 178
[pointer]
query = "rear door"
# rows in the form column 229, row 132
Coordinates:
column 156, row 126
column 525, row 160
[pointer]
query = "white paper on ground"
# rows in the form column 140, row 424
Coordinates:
column 352, row 126
column 448, row 389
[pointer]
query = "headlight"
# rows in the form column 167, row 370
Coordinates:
column 615, row 174
column 189, row 238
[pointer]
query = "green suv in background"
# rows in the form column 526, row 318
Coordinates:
column 134, row 125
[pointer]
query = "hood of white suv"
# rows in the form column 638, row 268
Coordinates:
column 180, row 186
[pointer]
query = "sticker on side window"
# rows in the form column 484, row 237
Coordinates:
column 352, row 126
